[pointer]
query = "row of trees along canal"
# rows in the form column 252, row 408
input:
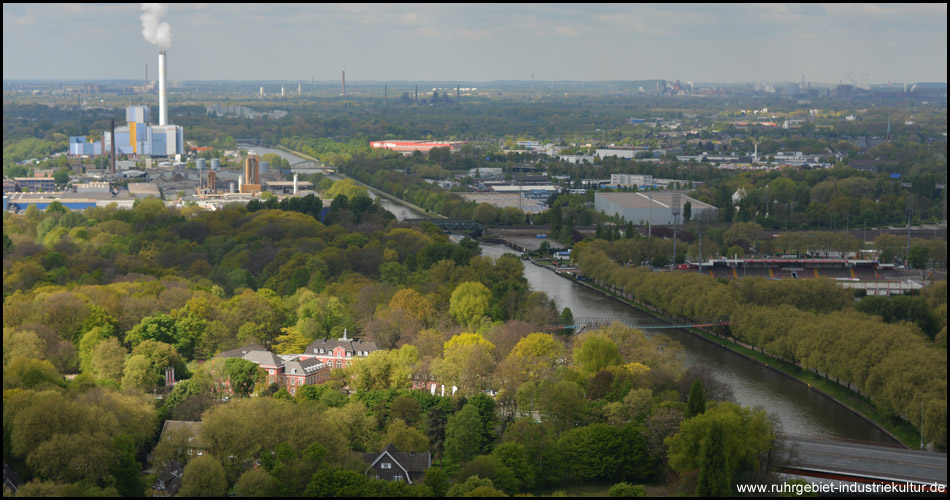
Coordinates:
column 901, row 368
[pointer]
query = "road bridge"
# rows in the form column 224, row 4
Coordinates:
column 862, row 462
column 311, row 166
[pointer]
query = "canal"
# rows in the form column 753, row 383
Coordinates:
column 799, row 410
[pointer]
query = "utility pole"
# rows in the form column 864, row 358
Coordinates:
column 908, row 208
column 676, row 213
column 650, row 221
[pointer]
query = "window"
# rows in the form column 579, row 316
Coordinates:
column 397, row 477
column 386, row 465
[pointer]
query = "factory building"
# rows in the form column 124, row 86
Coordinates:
column 79, row 146
column 631, row 180
column 409, row 147
column 653, row 207
column 139, row 137
column 252, row 175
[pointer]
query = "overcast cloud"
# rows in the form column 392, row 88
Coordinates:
column 853, row 43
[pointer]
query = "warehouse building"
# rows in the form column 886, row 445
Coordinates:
column 653, row 207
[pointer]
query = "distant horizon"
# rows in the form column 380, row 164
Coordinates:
column 349, row 82
column 754, row 43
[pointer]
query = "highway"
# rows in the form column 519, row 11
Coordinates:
column 853, row 461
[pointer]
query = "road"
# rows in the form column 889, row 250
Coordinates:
column 845, row 460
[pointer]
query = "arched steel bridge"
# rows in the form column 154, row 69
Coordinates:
column 643, row 323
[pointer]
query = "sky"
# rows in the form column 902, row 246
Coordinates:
column 727, row 43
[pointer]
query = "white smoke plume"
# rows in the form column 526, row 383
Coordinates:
column 154, row 30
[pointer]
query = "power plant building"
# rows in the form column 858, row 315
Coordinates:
column 139, row 137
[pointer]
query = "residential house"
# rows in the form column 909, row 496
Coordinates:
column 393, row 465
column 189, row 433
column 169, row 479
column 11, row 481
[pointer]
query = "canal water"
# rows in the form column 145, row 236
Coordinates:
column 799, row 410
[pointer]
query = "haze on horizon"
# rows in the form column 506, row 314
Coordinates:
column 848, row 43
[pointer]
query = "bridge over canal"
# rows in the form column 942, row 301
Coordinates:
column 863, row 462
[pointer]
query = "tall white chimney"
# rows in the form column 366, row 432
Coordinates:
column 162, row 105
column 240, row 183
column 295, row 184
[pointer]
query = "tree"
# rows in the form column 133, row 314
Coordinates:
column 621, row 490
column 696, row 403
column 60, row 177
column 486, row 415
column 243, row 375
column 386, row 369
column 463, row 436
column 601, row 451
column 467, row 362
column 746, row 438
column 257, row 483
column 406, row 408
column 436, row 421
column 72, row 458
column 404, row 438
column 537, row 354
column 437, row 480
column 687, row 212
column 594, row 352
column 204, row 477
column 919, row 257
column 470, row 301
column 713, row 472
column 490, row 467
column 563, row 405
column 474, row 486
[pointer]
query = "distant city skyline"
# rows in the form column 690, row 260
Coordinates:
column 848, row 43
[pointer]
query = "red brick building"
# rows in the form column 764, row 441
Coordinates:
column 290, row 371
column 338, row 353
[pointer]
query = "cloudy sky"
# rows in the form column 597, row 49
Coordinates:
column 853, row 43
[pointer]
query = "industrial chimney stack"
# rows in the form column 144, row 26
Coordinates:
column 162, row 104
column 343, row 90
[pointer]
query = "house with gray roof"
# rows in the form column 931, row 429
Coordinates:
column 393, row 465
column 339, row 353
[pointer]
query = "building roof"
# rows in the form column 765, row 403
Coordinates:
column 169, row 479
column 11, row 481
column 411, row 463
column 263, row 358
column 298, row 366
column 661, row 200
column 350, row 345
column 143, row 189
column 239, row 352
column 192, row 428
